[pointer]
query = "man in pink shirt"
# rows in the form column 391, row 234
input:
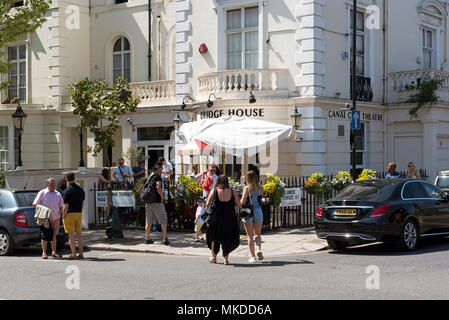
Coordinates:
column 52, row 199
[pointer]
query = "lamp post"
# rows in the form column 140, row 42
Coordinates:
column 18, row 119
column 354, row 87
column 80, row 131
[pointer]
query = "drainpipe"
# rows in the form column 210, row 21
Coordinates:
column 385, row 72
column 149, row 40
column 159, row 55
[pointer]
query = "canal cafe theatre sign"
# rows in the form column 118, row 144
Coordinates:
column 344, row 114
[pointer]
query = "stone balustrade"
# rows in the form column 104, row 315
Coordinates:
column 232, row 82
column 401, row 84
column 154, row 93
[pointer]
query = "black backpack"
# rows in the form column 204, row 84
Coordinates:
column 148, row 194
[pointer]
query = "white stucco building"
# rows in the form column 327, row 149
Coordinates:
column 289, row 53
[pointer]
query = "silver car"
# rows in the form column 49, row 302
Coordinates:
column 442, row 180
column 17, row 225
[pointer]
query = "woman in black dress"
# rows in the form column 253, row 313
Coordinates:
column 225, row 231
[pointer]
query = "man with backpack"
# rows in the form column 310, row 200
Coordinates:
column 151, row 194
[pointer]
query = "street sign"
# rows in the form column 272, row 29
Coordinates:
column 355, row 120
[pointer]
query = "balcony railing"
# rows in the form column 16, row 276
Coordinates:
column 401, row 82
column 363, row 89
column 232, row 82
column 154, row 93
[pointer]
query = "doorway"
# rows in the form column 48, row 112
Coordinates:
column 153, row 154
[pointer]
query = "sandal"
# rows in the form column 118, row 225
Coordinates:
column 212, row 260
column 72, row 257
column 80, row 256
column 44, row 256
column 55, row 255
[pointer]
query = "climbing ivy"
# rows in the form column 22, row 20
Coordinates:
column 425, row 95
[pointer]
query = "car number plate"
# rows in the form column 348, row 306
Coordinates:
column 345, row 212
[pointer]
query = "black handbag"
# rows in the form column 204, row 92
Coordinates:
column 247, row 210
column 210, row 215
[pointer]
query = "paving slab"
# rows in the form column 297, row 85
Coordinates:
column 274, row 243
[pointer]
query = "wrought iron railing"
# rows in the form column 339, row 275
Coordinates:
column 363, row 89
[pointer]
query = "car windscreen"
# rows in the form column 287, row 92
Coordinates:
column 366, row 191
column 443, row 182
column 25, row 199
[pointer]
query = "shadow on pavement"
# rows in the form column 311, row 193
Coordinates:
column 269, row 264
column 388, row 249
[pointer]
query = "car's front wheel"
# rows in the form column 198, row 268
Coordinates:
column 409, row 236
column 6, row 246
column 337, row 245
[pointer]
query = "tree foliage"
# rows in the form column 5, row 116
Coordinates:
column 425, row 95
column 19, row 21
column 101, row 108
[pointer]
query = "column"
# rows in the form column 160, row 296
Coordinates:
column 310, row 38
column 430, row 147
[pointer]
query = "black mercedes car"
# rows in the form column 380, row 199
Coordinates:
column 387, row 210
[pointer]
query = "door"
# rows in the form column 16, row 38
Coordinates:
column 415, row 195
column 440, row 208
column 154, row 152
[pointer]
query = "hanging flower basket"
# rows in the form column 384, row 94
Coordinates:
column 341, row 180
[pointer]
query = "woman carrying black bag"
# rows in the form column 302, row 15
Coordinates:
column 253, row 225
column 224, row 231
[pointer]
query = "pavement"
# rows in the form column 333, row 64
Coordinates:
column 274, row 243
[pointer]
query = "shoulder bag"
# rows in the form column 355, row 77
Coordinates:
column 247, row 210
column 210, row 215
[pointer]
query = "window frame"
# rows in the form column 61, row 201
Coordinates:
column 17, row 62
column 243, row 30
column 424, row 48
column 122, row 53
column 423, row 189
column 222, row 6
column 364, row 35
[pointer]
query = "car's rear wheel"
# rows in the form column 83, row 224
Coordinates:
column 409, row 236
column 337, row 244
column 6, row 246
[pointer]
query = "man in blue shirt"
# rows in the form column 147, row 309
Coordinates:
column 123, row 172
column 392, row 173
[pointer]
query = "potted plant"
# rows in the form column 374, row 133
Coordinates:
column 274, row 189
column 7, row 101
column 318, row 185
column 367, row 174
column 184, row 192
column 15, row 100
column 341, row 180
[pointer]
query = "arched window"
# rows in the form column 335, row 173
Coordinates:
column 121, row 55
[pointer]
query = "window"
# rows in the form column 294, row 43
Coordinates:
column 427, row 45
column 341, row 130
column 120, row 1
column 242, row 38
column 413, row 190
column 432, row 191
column 4, row 148
column 360, row 42
column 17, row 73
column 154, row 133
column 121, row 59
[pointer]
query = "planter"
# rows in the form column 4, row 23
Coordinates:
column 310, row 190
column 338, row 187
